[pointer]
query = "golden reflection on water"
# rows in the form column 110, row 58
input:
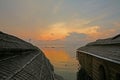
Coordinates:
column 62, row 61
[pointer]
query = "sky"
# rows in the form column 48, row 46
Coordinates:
column 68, row 20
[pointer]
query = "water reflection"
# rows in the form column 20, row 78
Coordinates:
column 64, row 63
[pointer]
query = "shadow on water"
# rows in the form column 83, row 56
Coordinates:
column 82, row 75
column 64, row 61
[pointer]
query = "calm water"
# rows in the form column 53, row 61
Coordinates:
column 64, row 61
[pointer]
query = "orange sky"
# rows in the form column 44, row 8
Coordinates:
column 57, row 19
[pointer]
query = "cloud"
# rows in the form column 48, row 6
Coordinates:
column 76, row 39
column 75, row 36
column 63, row 29
column 73, row 39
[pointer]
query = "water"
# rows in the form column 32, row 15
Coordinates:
column 63, row 60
